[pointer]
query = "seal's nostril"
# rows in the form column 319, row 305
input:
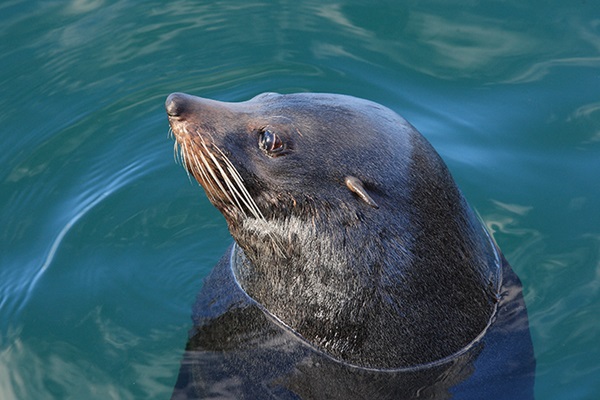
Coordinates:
column 175, row 104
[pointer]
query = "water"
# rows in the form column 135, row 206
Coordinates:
column 104, row 240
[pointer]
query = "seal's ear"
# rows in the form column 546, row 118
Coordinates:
column 356, row 186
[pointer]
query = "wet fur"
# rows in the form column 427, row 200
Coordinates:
column 407, row 283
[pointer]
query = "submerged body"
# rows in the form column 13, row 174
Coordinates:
column 358, row 270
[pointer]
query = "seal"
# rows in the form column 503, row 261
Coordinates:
column 355, row 255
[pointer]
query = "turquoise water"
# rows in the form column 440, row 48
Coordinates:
column 104, row 240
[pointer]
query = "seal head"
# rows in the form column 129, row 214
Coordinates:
column 351, row 230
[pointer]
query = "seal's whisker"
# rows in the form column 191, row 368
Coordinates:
column 191, row 163
column 183, row 154
column 213, row 174
column 176, row 151
column 232, row 185
column 233, row 192
column 251, row 204
column 243, row 191
column 197, row 167
column 200, row 169
column 204, row 176
column 236, row 195
column 232, row 189
column 245, row 196
column 176, row 155
column 205, row 161
column 248, row 200
column 218, row 175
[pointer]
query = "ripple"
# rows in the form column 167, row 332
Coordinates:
column 103, row 241
column 62, row 369
column 83, row 205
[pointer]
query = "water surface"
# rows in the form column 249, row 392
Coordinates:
column 104, row 240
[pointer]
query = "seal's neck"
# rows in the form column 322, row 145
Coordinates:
column 368, row 294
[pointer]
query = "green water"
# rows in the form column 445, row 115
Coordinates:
column 104, row 240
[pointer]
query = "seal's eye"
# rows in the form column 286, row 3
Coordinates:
column 270, row 142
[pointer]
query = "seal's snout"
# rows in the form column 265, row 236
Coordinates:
column 176, row 104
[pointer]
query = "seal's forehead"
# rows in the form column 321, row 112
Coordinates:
column 328, row 112
column 307, row 101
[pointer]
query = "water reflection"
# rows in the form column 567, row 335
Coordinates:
column 465, row 40
column 59, row 369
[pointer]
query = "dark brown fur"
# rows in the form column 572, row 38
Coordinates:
column 408, row 282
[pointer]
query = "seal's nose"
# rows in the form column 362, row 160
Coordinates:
column 176, row 104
